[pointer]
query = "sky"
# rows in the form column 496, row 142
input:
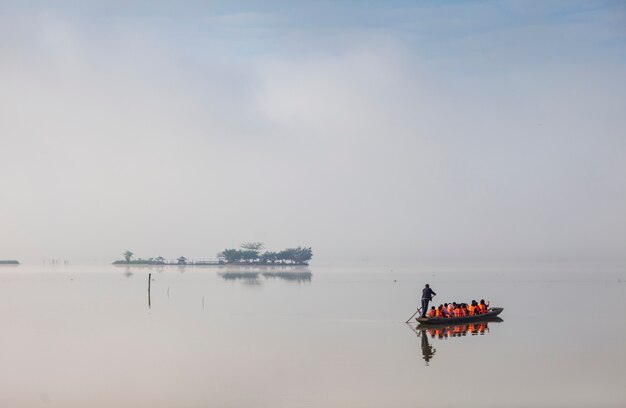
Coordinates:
column 376, row 132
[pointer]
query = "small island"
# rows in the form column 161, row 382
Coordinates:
column 8, row 262
column 249, row 254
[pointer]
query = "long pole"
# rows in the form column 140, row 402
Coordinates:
column 416, row 312
column 149, row 279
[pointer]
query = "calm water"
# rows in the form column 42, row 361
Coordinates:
column 85, row 336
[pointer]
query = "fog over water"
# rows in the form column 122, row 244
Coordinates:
column 76, row 336
column 409, row 131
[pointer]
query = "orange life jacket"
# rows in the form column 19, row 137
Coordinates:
column 438, row 313
column 459, row 312
column 471, row 309
column 482, row 307
column 431, row 313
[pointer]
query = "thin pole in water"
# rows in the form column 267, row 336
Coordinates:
column 149, row 279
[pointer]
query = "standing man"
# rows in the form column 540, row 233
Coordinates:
column 427, row 296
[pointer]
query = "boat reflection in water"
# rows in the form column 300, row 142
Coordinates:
column 444, row 332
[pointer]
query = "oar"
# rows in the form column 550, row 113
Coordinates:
column 418, row 310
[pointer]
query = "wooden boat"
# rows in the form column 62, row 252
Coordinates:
column 490, row 315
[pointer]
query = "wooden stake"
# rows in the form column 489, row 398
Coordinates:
column 149, row 280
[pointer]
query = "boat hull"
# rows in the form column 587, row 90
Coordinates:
column 492, row 314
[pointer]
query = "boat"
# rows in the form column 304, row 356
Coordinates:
column 492, row 313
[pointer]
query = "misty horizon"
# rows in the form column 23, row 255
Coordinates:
column 378, row 133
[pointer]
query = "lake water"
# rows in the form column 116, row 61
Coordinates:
column 85, row 336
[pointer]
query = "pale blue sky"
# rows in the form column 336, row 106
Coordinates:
column 484, row 130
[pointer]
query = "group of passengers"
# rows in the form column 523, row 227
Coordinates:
column 459, row 309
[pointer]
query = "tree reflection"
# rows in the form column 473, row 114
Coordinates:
column 252, row 277
column 247, row 278
column 290, row 276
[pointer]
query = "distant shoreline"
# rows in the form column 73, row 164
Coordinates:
column 8, row 262
column 161, row 263
column 205, row 263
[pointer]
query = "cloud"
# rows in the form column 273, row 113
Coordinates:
column 167, row 141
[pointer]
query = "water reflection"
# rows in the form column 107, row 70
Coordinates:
column 299, row 277
column 247, row 278
column 252, row 277
column 428, row 351
column 128, row 270
column 443, row 331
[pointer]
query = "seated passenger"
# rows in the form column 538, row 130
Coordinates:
column 458, row 311
column 439, row 311
column 431, row 312
column 445, row 310
column 452, row 308
column 471, row 309
column 482, row 306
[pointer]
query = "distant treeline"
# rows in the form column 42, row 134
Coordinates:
column 8, row 262
column 250, row 253
column 159, row 260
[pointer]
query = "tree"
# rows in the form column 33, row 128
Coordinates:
column 128, row 255
column 250, row 251
column 269, row 257
column 160, row 259
column 302, row 255
column 231, row 255
column 283, row 256
column 182, row 260
column 253, row 246
column 249, row 255
column 297, row 255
